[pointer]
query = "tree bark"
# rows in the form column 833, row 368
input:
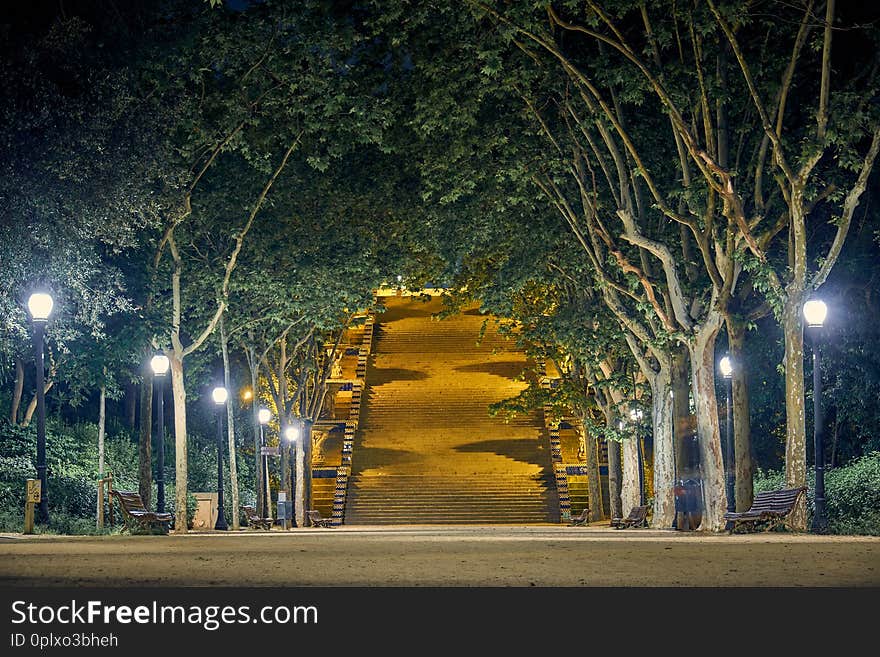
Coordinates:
column 32, row 406
column 702, row 353
column 255, row 425
column 299, row 468
column 593, row 482
column 834, row 437
column 102, row 417
column 664, row 448
column 230, row 428
column 307, row 466
column 131, row 392
column 795, row 438
column 629, row 488
column 145, row 439
column 615, row 507
column 742, row 439
column 102, row 423
column 681, row 413
column 17, row 389
column 180, row 442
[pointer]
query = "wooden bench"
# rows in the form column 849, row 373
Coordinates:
column 582, row 519
column 769, row 508
column 316, row 520
column 135, row 514
column 638, row 517
column 254, row 521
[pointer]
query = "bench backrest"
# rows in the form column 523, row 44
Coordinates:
column 778, row 501
column 249, row 511
column 638, row 513
column 129, row 500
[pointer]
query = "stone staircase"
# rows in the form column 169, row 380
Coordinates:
column 426, row 450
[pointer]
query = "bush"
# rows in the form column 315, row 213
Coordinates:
column 852, row 494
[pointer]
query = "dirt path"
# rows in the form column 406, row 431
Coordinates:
column 443, row 556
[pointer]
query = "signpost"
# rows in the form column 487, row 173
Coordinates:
column 32, row 498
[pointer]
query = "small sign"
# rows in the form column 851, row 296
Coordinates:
column 270, row 451
column 33, row 490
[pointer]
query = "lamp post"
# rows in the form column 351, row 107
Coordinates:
column 815, row 312
column 159, row 364
column 220, row 395
column 291, row 434
column 636, row 416
column 264, row 415
column 726, row 367
column 40, row 307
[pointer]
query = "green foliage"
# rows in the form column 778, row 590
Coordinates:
column 852, row 494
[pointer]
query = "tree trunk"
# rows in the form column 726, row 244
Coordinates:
column 615, row 507
column 593, row 482
column 681, row 413
column 102, row 423
column 102, row 416
column 664, row 448
column 255, row 426
column 629, row 488
column 742, row 430
column 299, row 467
column 131, row 391
column 230, row 429
column 795, row 439
column 834, row 437
column 180, row 446
column 307, row 465
column 145, row 439
column 16, row 391
column 702, row 353
column 32, row 406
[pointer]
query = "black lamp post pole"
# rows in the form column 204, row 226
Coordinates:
column 263, row 463
column 221, row 514
column 43, row 512
column 160, row 452
column 820, row 522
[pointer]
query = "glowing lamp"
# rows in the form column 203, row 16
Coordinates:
column 264, row 415
column 726, row 367
column 291, row 434
column 219, row 394
column 40, row 306
column 815, row 312
column 160, row 364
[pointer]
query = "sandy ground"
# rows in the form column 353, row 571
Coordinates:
column 443, row 556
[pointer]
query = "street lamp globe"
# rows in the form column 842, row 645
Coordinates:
column 291, row 434
column 264, row 415
column 726, row 367
column 160, row 364
column 40, row 306
column 219, row 395
column 815, row 312
column 635, row 414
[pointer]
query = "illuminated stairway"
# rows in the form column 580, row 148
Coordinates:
column 427, row 451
